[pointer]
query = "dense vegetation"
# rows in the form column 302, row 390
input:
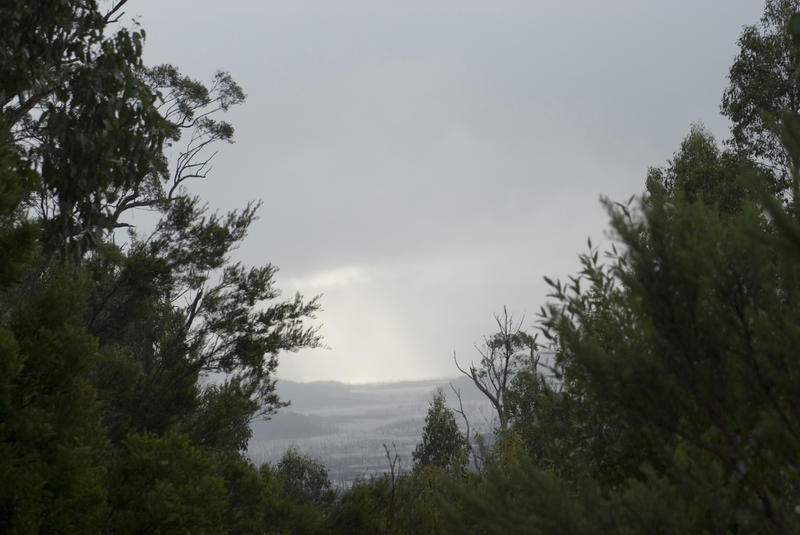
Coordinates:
column 131, row 364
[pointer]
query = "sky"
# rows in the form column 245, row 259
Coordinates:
column 423, row 164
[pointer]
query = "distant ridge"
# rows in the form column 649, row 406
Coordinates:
column 346, row 425
column 326, row 394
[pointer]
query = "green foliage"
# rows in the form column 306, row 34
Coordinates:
column 686, row 337
column 298, row 494
column 52, row 446
column 164, row 484
column 222, row 421
column 674, row 378
column 523, row 500
column 364, row 508
column 701, row 171
column 303, row 479
column 762, row 83
column 671, row 405
column 246, row 495
column 104, row 424
column 502, row 355
column 528, row 500
column 413, row 503
column 442, row 444
column 17, row 232
column 94, row 120
column 195, row 314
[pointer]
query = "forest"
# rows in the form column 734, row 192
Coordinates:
column 657, row 394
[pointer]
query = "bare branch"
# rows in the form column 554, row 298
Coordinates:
column 500, row 358
column 460, row 410
column 108, row 17
column 394, row 472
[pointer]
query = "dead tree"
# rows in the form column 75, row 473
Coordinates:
column 393, row 459
column 476, row 460
column 501, row 355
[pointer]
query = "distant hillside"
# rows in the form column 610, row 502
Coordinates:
column 328, row 394
column 345, row 426
column 291, row 425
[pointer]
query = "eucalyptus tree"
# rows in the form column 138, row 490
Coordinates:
column 501, row 356
column 763, row 82
column 106, row 340
column 443, row 445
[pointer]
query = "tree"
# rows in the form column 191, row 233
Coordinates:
column 107, row 423
column 52, row 443
column 298, row 495
column 414, row 506
column 681, row 343
column 501, row 355
column 246, row 495
column 762, row 83
column 18, row 234
column 222, row 421
column 442, row 444
column 166, row 484
column 81, row 113
column 304, row 479
column 548, row 421
column 92, row 122
column 701, row 171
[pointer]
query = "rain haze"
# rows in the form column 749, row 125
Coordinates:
column 423, row 164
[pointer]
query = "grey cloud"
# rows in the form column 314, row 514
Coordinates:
column 469, row 140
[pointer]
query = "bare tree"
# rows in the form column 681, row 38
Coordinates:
column 501, row 355
column 393, row 459
column 476, row 460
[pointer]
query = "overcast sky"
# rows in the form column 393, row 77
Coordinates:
column 423, row 164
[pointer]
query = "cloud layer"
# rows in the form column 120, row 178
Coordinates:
column 423, row 165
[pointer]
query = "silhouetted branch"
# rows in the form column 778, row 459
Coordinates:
column 108, row 17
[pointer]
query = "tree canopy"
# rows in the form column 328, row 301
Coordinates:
column 442, row 444
column 108, row 418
